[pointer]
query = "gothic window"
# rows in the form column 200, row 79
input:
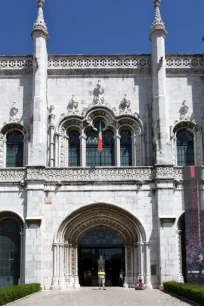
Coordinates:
column 185, row 148
column 9, row 252
column 15, row 147
column 125, row 148
column 74, row 149
column 104, row 158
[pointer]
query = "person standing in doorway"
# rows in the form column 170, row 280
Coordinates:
column 121, row 278
column 101, row 279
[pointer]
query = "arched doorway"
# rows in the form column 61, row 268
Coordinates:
column 101, row 229
column 101, row 245
column 10, row 251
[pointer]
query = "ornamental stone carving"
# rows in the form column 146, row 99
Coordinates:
column 12, row 175
column 184, row 115
column 72, row 107
column 124, row 107
column 133, row 174
column 1, row 150
column 14, row 113
column 52, row 115
column 98, row 99
column 98, row 93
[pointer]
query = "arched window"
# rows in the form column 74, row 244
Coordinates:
column 104, row 158
column 9, row 252
column 125, row 148
column 74, row 149
column 185, row 148
column 15, row 147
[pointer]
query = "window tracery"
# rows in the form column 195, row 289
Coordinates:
column 86, row 126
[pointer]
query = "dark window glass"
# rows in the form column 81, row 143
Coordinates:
column 74, row 149
column 125, row 148
column 104, row 158
column 14, row 152
column 185, row 148
column 9, row 252
column 101, row 236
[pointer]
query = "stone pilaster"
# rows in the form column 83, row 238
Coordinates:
column 38, row 141
column 147, row 266
column 54, row 285
column 160, row 114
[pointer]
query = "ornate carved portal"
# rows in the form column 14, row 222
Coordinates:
column 72, row 231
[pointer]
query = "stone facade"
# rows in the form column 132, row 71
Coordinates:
column 44, row 96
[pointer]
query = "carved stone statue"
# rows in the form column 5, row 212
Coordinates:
column 98, row 92
column 101, row 263
column 184, row 111
column 72, row 107
column 124, row 106
column 14, row 117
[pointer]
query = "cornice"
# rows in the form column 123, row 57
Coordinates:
column 136, row 175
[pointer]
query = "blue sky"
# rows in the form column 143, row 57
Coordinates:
column 102, row 27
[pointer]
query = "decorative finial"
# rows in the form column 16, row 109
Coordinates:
column 157, row 14
column 40, row 22
column 158, row 23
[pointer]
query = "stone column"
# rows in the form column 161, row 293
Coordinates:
column 76, row 276
column 125, row 285
column 141, row 261
column 117, row 149
column 135, row 263
column 83, row 150
column 132, row 268
column 147, row 279
column 52, row 152
column 62, row 282
column 57, row 162
column 70, row 266
column 66, row 162
column 67, row 264
column 180, row 274
column 134, row 149
column 22, row 258
column 54, row 285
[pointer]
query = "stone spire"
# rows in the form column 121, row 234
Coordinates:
column 158, row 23
column 40, row 24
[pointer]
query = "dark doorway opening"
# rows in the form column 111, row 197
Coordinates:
column 88, row 265
column 101, row 242
column 9, row 252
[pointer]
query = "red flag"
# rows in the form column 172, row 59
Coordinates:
column 100, row 141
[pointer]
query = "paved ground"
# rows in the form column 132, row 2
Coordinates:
column 95, row 297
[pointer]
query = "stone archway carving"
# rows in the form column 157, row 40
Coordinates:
column 65, row 247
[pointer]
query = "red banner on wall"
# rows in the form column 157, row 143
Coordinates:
column 194, row 224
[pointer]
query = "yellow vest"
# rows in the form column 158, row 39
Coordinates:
column 101, row 275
